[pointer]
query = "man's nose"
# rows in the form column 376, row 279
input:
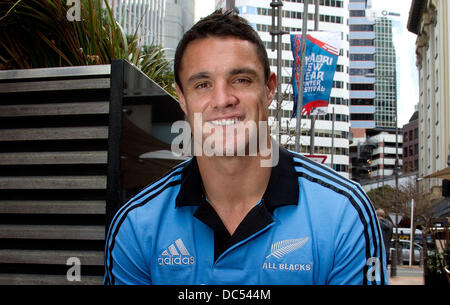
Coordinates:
column 224, row 96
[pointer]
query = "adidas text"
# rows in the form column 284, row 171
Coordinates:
column 176, row 260
column 176, row 254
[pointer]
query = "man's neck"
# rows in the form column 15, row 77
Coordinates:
column 233, row 185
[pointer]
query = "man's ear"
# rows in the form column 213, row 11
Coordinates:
column 181, row 99
column 271, row 87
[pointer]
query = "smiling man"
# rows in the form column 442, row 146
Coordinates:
column 224, row 218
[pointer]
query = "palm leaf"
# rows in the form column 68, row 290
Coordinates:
column 36, row 33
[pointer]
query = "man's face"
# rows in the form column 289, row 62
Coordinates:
column 223, row 80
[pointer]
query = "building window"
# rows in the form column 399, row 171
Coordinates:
column 361, row 28
column 361, row 42
column 364, row 87
column 429, row 127
column 437, row 80
column 437, row 147
column 362, row 57
column 436, row 47
column 437, row 113
column 360, row 13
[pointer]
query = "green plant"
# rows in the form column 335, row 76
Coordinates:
column 37, row 33
column 436, row 262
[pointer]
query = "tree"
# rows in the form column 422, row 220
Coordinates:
column 41, row 33
column 424, row 217
column 385, row 198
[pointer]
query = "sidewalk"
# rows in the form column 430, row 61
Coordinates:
column 406, row 280
column 407, row 275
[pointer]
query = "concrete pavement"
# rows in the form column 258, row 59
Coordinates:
column 407, row 275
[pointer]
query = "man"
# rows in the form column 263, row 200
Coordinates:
column 225, row 219
column 386, row 229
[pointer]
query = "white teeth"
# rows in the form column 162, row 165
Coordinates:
column 225, row 122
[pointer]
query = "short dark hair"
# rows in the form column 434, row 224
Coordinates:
column 221, row 24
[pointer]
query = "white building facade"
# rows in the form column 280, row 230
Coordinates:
column 333, row 17
column 384, row 155
column 429, row 19
column 178, row 18
column 159, row 22
column 144, row 16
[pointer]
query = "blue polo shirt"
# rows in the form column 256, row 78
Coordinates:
column 312, row 226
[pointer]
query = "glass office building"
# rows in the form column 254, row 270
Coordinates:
column 386, row 74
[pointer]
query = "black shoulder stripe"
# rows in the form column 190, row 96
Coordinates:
column 368, row 206
column 357, row 208
column 331, row 172
column 148, row 189
column 339, row 181
column 167, row 176
column 122, row 219
column 171, row 173
column 145, row 192
column 367, row 203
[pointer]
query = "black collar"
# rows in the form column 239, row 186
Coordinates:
column 282, row 189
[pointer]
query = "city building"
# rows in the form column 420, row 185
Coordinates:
column 429, row 20
column 373, row 86
column 178, row 18
column 385, row 72
column 362, row 69
column 411, row 144
column 376, row 156
column 160, row 22
column 145, row 17
column 333, row 17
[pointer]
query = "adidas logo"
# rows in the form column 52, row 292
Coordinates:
column 176, row 254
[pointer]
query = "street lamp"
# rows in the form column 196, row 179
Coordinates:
column 394, row 260
column 413, row 227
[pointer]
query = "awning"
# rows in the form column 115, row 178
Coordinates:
column 442, row 174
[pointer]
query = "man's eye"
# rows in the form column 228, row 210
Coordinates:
column 242, row 81
column 202, row 86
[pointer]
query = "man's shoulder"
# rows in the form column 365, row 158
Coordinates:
column 332, row 194
column 156, row 193
column 385, row 224
column 324, row 176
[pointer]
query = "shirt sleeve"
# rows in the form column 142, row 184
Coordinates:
column 359, row 249
column 124, row 261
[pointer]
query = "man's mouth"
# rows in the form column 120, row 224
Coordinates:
column 226, row 122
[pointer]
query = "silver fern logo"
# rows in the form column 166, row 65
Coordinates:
column 284, row 247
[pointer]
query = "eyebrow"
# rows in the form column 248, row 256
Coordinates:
column 236, row 71
column 198, row 76
column 243, row 71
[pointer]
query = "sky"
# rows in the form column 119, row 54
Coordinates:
column 408, row 93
